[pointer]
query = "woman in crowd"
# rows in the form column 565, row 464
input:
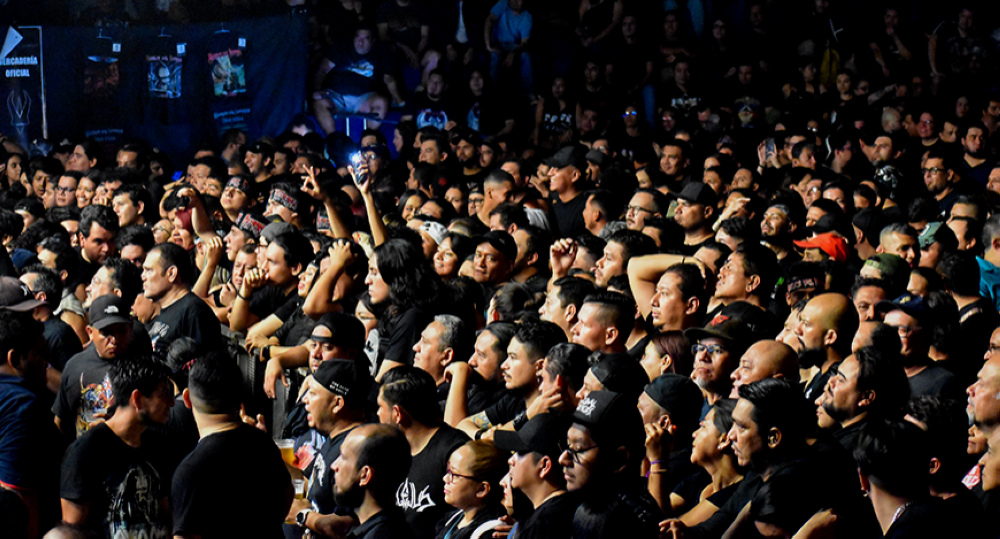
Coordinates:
column 472, row 487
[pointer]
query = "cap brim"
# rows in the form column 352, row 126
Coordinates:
column 885, row 306
column 705, row 333
column 110, row 321
column 805, row 244
column 24, row 306
column 507, row 440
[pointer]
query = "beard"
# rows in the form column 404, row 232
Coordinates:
column 812, row 357
column 472, row 162
column 352, row 497
column 837, row 414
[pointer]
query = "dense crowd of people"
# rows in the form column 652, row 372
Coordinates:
column 762, row 302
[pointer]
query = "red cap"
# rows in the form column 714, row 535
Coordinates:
column 830, row 243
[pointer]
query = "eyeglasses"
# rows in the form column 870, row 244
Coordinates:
column 932, row 170
column 629, row 113
column 65, row 190
column 906, row 331
column 637, row 209
column 574, row 454
column 711, row 349
column 449, row 476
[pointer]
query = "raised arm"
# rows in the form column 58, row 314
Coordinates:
column 320, row 299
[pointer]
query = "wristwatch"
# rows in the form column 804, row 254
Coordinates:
column 301, row 516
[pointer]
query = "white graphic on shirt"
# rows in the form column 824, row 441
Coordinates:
column 408, row 498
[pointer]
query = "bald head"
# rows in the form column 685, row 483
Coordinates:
column 765, row 359
column 829, row 321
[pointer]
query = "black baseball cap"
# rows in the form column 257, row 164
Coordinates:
column 611, row 418
column 739, row 322
column 16, row 296
column 598, row 158
column 699, row 193
column 910, row 304
column 343, row 377
column 542, row 434
column 570, row 156
column 870, row 221
column 346, row 331
column 108, row 310
column 621, row 373
column 501, row 241
column 261, row 148
column 679, row 396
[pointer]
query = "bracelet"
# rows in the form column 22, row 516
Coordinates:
column 241, row 296
column 652, row 462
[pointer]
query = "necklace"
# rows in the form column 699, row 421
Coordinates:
column 899, row 511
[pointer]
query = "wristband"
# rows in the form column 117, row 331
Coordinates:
column 652, row 462
column 266, row 352
column 241, row 296
column 479, row 434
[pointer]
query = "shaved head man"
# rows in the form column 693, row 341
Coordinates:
column 765, row 359
column 984, row 397
column 825, row 330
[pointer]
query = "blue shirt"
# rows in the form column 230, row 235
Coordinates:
column 510, row 28
column 989, row 282
column 23, row 436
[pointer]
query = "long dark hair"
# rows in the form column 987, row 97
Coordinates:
column 410, row 278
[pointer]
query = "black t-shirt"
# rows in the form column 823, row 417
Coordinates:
column 436, row 113
column 690, row 488
column 84, row 392
column 926, row 518
column 63, row 342
column 936, row 381
column 551, row 520
column 448, row 527
column 355, row 74
column 399, row 332
column 189, row 316
column 421, row 495
column 629, row 62
column 386, row 524
column 506, row 409
column 120, row 484
column 321, row 481
column 568, row 222
column 404, row 21
column 232, row 485
column 265, row 301
column 296, row 327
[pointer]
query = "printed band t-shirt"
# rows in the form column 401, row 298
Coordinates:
column 121, row 484
column 421, row 495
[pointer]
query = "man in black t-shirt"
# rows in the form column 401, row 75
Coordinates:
column 385, row 451
column 603, row 454
column 98, row 228
column 85, row 395
column 113, row 475
column 915, row 322
column 525, row 358
column 167, row 275
column 263, row 292
column 62, row 340
column 348, row 76
column 335, row 403
column 567, row 176
column 535, row 472
column 408, row 400
column 234, row 484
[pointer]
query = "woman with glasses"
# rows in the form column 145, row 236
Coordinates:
column 472, row 486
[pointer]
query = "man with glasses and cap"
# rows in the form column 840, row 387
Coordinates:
column 604, row 453
column 914, row 321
